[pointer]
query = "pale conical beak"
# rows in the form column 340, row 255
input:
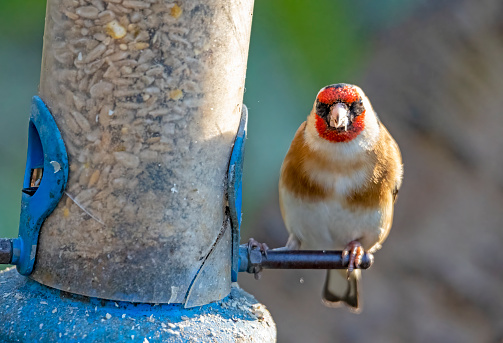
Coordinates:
column 339, row 116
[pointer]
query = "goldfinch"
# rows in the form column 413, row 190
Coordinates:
column 338, row 184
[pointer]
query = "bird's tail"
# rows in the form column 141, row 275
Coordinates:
column 339, row 289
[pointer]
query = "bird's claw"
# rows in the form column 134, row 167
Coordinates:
column 253, row 244
column 355, row 251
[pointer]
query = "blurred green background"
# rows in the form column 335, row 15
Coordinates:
column 433, row 71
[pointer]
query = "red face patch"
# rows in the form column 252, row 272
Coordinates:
column 345, row 94
column 329, row 96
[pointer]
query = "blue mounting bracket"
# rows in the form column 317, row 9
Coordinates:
column 44, row 183
column 235, row 189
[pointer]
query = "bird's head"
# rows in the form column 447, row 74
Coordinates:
column 339, row 111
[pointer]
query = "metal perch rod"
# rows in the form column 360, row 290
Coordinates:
column 255, row 260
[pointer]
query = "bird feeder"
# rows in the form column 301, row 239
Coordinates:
column 148, row 97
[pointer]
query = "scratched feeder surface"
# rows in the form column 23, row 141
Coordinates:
column 32, row 312
column 148, row 97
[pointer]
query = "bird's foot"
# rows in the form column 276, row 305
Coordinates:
column 253, row 244
column 355, row 251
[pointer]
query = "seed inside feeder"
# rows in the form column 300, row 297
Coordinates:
column 115, row 30
column 176, row 11
column 176, row 94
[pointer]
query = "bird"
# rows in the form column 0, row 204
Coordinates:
column 338, row 185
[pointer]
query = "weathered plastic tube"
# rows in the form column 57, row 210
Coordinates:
column 148, row 97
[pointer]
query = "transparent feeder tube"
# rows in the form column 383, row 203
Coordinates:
column 148, row 97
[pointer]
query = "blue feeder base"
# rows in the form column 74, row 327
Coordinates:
column 32, row 312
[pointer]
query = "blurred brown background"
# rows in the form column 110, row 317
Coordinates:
column 434, row 73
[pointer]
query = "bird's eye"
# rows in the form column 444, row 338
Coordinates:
column 322, row 109
column 357, row 107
